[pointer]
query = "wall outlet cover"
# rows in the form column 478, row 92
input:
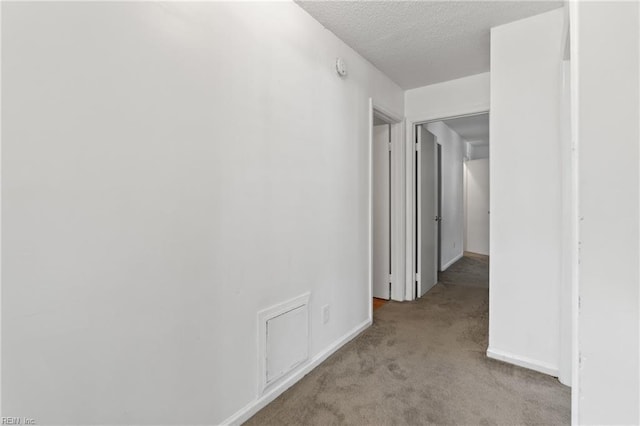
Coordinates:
column 326, row 313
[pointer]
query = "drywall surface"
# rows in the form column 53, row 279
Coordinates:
column 451, row 227
column 477, row 206
column 569, row 183
column 525, row 200
column 163, row 180
column 451, row 98
column 605, row 56
column 476, row 152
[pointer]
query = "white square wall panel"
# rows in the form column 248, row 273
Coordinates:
column 287, row 342
column 283, row 336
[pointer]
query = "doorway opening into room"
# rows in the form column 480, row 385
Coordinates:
column 451, row 202
column 386, row 133
column 381, row 199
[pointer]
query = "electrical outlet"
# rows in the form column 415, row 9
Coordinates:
column 325, row 314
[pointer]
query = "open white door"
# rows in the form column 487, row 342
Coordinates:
column 427, row 210
column 381, row 213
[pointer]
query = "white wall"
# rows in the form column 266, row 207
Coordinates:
column 452, row 224
column 526, row 206
column 605, row 60
column 477, row 206
column 163, row 180
column 450, row 98
column 476, row 152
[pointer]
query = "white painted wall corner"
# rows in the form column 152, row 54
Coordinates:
column 452, row 261
column 521, row 361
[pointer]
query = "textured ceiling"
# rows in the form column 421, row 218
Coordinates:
column 417, row 43
column 473, row 129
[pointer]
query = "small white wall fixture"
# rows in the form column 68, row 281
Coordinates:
column 283, row 340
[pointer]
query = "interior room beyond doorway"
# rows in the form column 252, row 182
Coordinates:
column 459, row 210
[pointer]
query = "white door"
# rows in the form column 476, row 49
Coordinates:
column 427, row 210
column 381, row 212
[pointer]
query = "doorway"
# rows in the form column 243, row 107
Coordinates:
column 386, row 207
column 440, row 219
column 381, row 211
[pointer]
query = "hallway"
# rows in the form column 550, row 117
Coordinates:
column 424, row 362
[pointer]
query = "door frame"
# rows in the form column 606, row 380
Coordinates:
column 410, row 175
column 439, row 200
column 396, row 130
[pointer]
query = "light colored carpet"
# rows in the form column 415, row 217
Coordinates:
column 423, row 362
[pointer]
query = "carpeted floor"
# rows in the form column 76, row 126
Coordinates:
column 471, row 270
column 424, row 362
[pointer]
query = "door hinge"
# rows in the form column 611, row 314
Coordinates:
column 390, row 278
column 389, row 146
column 417, row 277
column 417, row 146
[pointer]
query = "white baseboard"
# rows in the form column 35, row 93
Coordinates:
column 451, row 262
column 477, row 252
column 525, row 362
column 257, row 404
